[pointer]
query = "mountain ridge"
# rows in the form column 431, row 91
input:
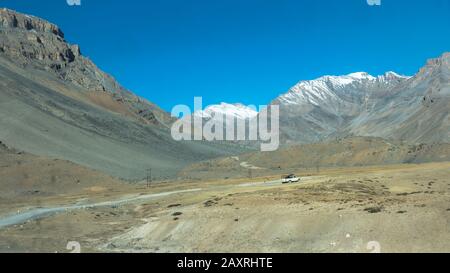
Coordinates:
column 359, row 104
column 57, row 104
column 34, row 42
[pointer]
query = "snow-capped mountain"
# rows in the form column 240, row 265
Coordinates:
column 315, row 109
column 237, row 110
column 329, row 88
column 393, row 106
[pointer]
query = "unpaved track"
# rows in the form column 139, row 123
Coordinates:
column 38, row 213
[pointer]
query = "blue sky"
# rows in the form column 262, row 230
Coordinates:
column 247, row 51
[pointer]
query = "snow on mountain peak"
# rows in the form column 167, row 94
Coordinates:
column 392, row 74
column 338, row 81
column 361, row 76
column 329, row 88
column 237, row 110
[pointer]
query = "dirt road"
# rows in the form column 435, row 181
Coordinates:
column 38, row 213
column 25, row 215
column 403, row 208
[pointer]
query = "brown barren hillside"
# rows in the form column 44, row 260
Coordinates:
column 27, row 178
column 348, row 152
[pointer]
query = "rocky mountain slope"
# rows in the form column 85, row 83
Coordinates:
column 31, row 42
column 417, row 110
column 414, row 109
column 56, row 103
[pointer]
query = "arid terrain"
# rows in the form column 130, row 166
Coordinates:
column 345, row 152
column 404, row 208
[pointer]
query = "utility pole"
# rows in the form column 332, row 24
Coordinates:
column 250, row 175
column 149, row 177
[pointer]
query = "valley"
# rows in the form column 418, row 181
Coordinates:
column 85, row 160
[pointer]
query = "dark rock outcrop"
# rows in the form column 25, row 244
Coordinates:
column 33, row 42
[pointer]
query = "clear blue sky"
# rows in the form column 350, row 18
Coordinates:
column 245, row 51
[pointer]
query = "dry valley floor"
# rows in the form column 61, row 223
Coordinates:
column 400, row 208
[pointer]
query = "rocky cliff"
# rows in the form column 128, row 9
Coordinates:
column 37, row 44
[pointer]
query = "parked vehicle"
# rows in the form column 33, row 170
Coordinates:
column 292, row 178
